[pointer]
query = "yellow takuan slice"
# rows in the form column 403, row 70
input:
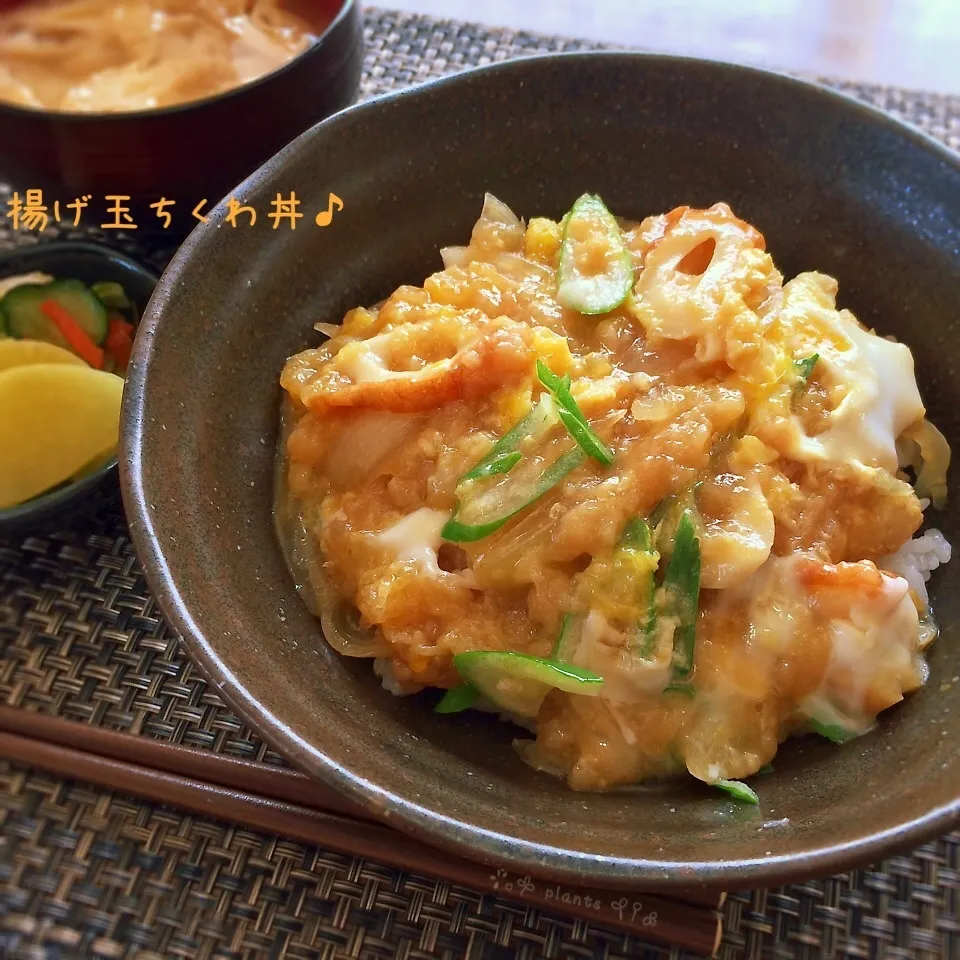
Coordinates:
column 27, row 353
column 56, row 418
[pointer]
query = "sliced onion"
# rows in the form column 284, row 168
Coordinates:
column 363, row 442
column 932, row 462
column 503, row 559
column 519, row 268
column 454, row 256
column 496, row 211
column 341, row 627
column 498, row 228
column 658, row 406
column 737, row 534
column 531, row 754
column 339, row 620
column 328, row 329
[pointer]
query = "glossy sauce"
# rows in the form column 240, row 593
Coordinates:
column 693, row 385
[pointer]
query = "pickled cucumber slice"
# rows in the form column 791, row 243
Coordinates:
column 25, row 319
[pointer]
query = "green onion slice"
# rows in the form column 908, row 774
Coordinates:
column 571, row 416
column 518, row 682
column 506, row 481
column 457, row 699
column 738, row 790
column 681, row 585
column 804, row 369
column 595, row 273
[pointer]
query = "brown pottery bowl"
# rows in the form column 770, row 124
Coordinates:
column 833, row 185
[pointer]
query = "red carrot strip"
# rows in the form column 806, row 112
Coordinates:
column 78, row 338
column 117, row 326
column 119, row 342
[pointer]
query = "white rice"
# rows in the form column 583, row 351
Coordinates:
column 383, row 668
column 917, row 559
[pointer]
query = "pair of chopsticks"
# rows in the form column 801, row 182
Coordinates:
column 284, row 802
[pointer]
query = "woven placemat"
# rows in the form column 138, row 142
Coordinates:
column 85, row 872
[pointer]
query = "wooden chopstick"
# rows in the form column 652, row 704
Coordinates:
column 692, row 926
column 267, row 780
column 655, row 918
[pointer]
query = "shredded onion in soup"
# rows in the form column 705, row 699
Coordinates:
column 118, row 55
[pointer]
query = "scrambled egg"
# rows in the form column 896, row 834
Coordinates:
column 776, row 417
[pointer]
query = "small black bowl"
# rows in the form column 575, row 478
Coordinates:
column 88, row 262
column 187, row 152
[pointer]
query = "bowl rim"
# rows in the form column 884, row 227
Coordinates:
column 346, row 9
column 430, row 824
column 47, row 504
